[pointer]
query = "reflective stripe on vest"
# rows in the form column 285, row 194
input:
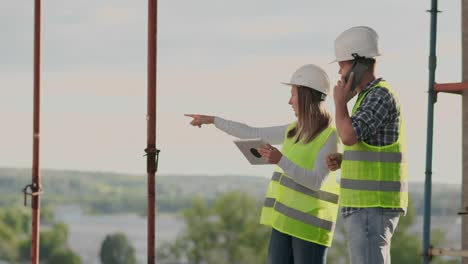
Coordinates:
column 291, row 184
column 296, row 214
column 269, row 202
column 276, row 176
column 383, row 186
column 373, row 156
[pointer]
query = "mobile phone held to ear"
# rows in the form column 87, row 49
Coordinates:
column 359, row 69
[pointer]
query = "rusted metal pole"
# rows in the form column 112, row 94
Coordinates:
column 455, row 88
column 151, row 150
column 36, row 174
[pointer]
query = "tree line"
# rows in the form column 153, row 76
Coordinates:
column 100, row 192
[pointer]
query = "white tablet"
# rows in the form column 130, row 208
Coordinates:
column 248, row 147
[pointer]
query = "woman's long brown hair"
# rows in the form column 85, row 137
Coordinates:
column 312, row 118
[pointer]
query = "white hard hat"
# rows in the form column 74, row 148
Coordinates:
column 311, row 76
column 361, row 41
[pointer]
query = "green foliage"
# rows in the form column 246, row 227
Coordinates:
column 8, row 243
column 52, row 246
column 16, row 218
column 116, row 193
column 99, row 192
column 116, row 249
column 14, row 225
column 211, row 235
column 406, row 247
column 53, row 240
column 64, row 256
column 227, row 232
column 15, row 237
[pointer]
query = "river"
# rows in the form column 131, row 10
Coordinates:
column 86, row 232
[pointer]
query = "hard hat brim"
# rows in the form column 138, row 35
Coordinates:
column 372, row 56
column 291, row 84
column 296, row 84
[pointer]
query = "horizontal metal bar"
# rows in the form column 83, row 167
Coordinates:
column 465, row 212
column 448, row 252
column 456, row 88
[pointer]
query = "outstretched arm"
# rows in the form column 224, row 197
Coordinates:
column 273, row 135
column 199, row 120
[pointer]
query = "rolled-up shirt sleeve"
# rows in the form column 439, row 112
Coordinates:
column 372, row 113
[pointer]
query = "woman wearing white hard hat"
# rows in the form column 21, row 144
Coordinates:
column 301, row 201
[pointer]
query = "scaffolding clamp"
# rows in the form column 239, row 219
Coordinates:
column 153, row 158
column 35, row 190
column 464, row 212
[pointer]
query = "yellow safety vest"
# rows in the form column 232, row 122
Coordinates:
column 296, row 210
column 375, row 176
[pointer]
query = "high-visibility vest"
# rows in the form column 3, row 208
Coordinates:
column 296, row 210
column 375, row 176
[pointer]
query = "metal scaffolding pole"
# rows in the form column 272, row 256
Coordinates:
column 430, row 127
column 464, row 198
column 36, row 174
column 151, row 150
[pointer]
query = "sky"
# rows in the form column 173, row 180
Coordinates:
column 224, row 58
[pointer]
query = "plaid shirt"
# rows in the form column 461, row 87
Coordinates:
column 376, row 122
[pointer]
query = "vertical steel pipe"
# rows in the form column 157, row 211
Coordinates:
column 431, row 99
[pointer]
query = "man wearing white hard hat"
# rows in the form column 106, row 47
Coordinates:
column 301, row 203
column 374, row 180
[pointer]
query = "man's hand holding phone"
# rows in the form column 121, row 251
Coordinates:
column 342, row 92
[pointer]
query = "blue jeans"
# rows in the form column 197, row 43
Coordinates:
column 286, row 249
column 369, row 232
